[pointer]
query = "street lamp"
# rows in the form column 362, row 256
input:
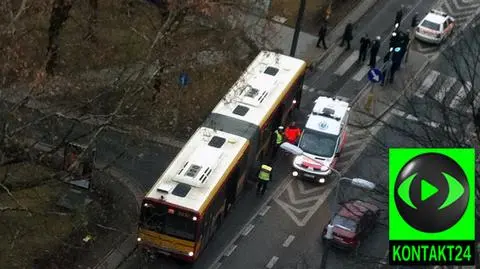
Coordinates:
column 357, row 182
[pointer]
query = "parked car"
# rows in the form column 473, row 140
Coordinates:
column 352, row 223
column 435, row 27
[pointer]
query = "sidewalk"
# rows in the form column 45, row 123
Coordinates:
column 279, row 37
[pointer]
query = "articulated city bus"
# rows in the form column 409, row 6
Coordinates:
column 188, row 203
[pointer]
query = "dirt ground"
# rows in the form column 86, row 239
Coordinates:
column 33, row 227
column 315, row 11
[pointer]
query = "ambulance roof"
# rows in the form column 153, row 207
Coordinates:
column 327, row 115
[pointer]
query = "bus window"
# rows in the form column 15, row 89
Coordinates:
column 173, row 222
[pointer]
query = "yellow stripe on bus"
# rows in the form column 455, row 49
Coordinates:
column 167, row 242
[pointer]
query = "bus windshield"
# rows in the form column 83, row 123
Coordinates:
column 156, row 217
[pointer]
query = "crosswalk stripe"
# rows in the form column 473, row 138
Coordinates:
column 427, row 83
column 461, row 95
column 447, row 84
column 331, row 58
column 476, row 102
column 347, row 63
column 363, row 71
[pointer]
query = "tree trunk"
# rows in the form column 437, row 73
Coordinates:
column 92, row 21
column 60, row 13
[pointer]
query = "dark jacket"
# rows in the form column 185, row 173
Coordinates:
column 323, row 31
column 364, row 43
column 414, row 21
column 348, row 34
column 398, row 16
column 375, row 47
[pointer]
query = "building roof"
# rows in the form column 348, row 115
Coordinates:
column 327, row 115
column 261, row 86
column 198, row 169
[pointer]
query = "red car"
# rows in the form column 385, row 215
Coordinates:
column 352, row 223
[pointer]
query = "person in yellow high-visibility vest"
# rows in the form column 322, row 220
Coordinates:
column 264, row 177
column 277, row 141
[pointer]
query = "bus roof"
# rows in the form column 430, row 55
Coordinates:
column 261, row 87
column 199, row 169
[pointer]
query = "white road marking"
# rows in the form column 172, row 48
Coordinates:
column 461, row 95
column 397, row 112
column 476, row 102
column 291, row 210
column 347, row 153
column 284, row 183
column 303, row 190
column 427, row 83
column 331, row 58
column 230, row 250
column 272, row 262
column 217, row 265
column 288, row 241
column 358, row 132
column 347, row 63
column 411, row 117
column 264, row 210
column 247, row 229
column 446, row 86
column 363, row 71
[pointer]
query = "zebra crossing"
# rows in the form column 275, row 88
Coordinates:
column 450, row 91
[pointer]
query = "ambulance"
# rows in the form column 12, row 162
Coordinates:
column 322, row 139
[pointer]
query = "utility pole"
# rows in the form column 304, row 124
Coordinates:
column 298, row 27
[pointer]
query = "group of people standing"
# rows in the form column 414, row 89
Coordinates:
column 391, row 61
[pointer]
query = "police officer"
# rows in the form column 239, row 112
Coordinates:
column 374, row 51
column 264, row 177
column 364, row 45
column 278, row 140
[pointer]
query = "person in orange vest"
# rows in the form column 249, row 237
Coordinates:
column 292, row 133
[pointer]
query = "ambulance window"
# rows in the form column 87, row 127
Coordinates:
column 445, row 25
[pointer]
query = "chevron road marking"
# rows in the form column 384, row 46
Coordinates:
column 303, row 190
column 291, row 210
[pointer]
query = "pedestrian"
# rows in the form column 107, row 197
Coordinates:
column 477, row 119
column 264, row 177
column 399, row 15
column 364, row 45
column 407, row 42
column 394, row 68
column 374, row 51
column 322, row 33
column 292, row 133
column 278, row 140
column 414, row 20
column 347, row 35
column 387, row 65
